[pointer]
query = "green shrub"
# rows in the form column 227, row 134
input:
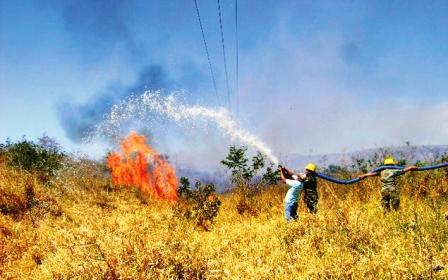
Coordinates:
column 199, row 204
column 246, row 178
column 243, row 172
column 2, row 153
column 43, row 158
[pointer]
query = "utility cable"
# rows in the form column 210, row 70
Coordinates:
column 206, row 51
column 224, row 54
column 237, row 58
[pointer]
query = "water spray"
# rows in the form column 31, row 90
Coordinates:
column 152, row 103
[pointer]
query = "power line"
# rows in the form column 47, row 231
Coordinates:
column 237, row 62
column 206, row 51
column 224, row 55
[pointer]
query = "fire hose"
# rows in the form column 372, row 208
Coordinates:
column 356, row 180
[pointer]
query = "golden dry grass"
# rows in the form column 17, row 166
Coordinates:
column 84, row 228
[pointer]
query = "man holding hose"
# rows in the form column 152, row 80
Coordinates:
column 310, row 195
column 390, row 193
column 295, row 184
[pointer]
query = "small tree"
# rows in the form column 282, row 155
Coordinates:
column 199, row 204
column 245, row 177
column 237, row 162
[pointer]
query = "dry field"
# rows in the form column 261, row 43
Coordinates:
column 82, row 227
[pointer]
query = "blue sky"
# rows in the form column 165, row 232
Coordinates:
column 321, row 76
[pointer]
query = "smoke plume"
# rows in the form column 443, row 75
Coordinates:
column 79, row 119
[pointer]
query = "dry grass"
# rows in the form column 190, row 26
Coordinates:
column 84, row 228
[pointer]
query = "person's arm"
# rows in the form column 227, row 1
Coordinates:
column 410, row 168
column 370, row 174
column 403, row 171
column 288, row 171
column 282, row 176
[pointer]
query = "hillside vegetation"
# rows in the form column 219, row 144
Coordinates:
column 81, row 226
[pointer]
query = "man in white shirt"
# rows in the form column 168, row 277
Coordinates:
column 292, row 196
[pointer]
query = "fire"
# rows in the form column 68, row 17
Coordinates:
column 139, row 165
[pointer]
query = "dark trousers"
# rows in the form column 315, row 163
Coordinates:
column 390, row 199
column 311, row 198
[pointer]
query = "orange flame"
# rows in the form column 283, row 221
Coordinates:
column 139, row 165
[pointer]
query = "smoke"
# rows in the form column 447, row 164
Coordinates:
column 310, row 82
column 331, row 94
column 320, row 99
column 107, row 30
column 79, row 119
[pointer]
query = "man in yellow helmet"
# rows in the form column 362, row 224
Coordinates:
column 310, row 195
column 390, row 193
column 309, row 186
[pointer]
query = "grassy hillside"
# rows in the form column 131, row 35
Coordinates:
column 83, row 227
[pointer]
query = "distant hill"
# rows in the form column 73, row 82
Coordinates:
column 412, row 154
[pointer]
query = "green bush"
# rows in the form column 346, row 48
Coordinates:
column 43, row 158
column 246, row 178
column 198, row 204
column 243, row 172
column 3, row 153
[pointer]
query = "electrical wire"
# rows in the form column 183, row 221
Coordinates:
column 207, row 53
column 224, row 55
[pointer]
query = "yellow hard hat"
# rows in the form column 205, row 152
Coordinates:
column 311, row 167
column 389, row 160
